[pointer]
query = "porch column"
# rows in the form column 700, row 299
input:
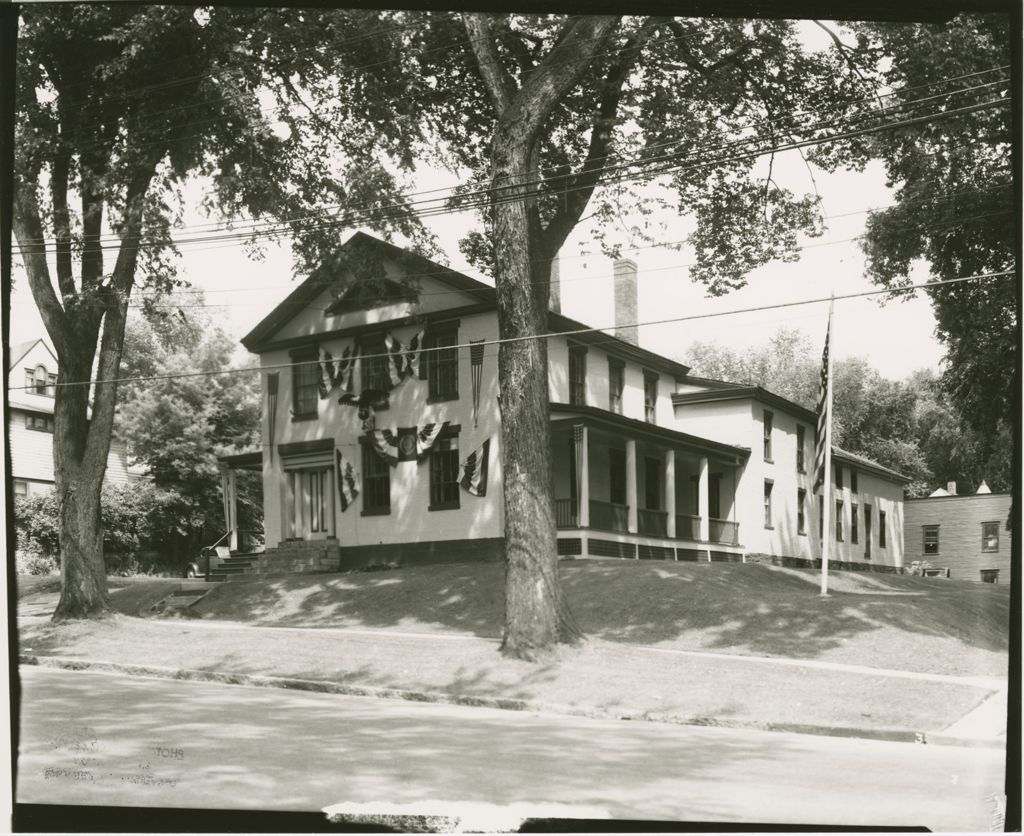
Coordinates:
column 229, row 492
column 670, row 492
column 583, row 472
column 631, row 499
column 702, row 500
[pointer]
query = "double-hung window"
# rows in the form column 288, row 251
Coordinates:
column 800, row 464
column 801, row 511
column 839, row 521
column 881, row 528
column 990, row 536
column 853, row 480
column 577, row 375
column 769, row 419
column 930, row 535
column 867, row 531
column 41, row 423
column 616, row 382
column 442, row 363
column 374, row 364
column 768, row 485
column 854, row 527
column 650, row 396
column 305, row 374
column 444, row 474
column 838, row 468
column 376, row 483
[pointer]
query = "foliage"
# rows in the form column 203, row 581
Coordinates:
column 35, row 519
column 31, row 562
column 177, row 427
column 954, row 205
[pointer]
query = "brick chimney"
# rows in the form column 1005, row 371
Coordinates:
column 951, row 488
column 625, row 300
column 555, row 289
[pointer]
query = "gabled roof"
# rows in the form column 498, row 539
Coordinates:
column 19, row 350
column 260, row 337
column 864, row 463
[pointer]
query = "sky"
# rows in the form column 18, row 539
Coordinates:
column 896, row 338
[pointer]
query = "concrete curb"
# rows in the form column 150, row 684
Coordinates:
column 324, row 687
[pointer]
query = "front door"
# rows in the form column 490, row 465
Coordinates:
column 312, row 494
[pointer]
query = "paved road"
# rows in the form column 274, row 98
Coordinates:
column 91, row 738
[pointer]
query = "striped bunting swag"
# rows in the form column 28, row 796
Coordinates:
column 474, row 470
column 427, row 436
column 272, row 380
column 476, row 365
column 326, row 380
column 824, row 415
column 348, row 484
column 335, row 372
column 385, row 444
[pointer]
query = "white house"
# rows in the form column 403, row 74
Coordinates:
column 33, row 373
column 649, row 461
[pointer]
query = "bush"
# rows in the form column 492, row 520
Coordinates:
column 36, row 524
column 31, row 562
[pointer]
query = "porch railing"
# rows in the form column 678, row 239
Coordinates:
column 652, row 522
column 609, row 516
column 724, row 531
column 565, row 513
column 687, row 527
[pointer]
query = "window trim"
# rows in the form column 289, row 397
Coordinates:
column 839, row 521
column 373, row 510
column 984, row 549
column 31, row 418
column 881, row 529
column 577, row 354
column 801, row 453
column 925, row 531
column 616, row 365
column 767, row 429
column 449, row 504
column 302, row 358
column 801, row 511
column 868, row 522
column 837, row 475
column 854, row 524
column 853, row 480
column 449, row 330
column 769, row 515
column 651, row 409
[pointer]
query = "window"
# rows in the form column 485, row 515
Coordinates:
column 881, row 528
column 442, row 365
column 931, row 539
column 767, row 424
column 800, row 468
column 867, row 531
column 616, row 376
column 42, row 423
column 989, row 575
column 650, row 396
column 616, row 476
column 305, row 394
column 801, row 514
column 839, row 521
column 652, row 483
column 577, row 375
column 821, row 518
column 768, row 485
column 40, row 382
column 374, row 363
column 376, row 483
column 853, row 482
column 20, row 487
column 839, row 475
column 990, row 536
column 444, row 474
column 854, row 526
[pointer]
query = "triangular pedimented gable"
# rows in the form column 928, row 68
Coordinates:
column 19, row 351
column 313, row 309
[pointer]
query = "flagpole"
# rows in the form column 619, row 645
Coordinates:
column 826, row 533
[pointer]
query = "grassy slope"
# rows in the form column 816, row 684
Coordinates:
column 882, row 621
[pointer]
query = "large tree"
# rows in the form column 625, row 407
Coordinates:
column 551, row 117
column 115, row 106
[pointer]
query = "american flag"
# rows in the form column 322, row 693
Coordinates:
column 824, row 413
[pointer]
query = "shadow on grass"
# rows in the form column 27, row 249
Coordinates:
column 757, row 609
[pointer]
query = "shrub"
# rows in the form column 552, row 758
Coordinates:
column 36, row 524
column 31, row 562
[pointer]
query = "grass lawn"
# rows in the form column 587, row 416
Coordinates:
column 635, row 614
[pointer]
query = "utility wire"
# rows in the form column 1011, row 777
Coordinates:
column 549, row 335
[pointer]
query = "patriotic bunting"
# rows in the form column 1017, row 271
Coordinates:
column 335, row 372
column 407, row 445
column 474, row 470
column 412, row 355
column 396, row 362
column 476, row 365
column 348, row 481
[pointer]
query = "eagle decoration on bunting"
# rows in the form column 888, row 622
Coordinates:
column 409, row 444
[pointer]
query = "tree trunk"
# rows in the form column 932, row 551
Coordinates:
column 79, row 481
column 537, row 615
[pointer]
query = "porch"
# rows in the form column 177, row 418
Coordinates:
column 628, row 489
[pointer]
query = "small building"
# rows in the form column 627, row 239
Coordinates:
column 962, row 536
column 33, row 374
column 382, row 438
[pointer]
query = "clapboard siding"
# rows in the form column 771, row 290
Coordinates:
column 959, row 519
column 32, row 454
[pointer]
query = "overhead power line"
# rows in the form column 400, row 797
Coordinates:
column 570, row 333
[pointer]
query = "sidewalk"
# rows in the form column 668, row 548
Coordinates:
column 598, row 679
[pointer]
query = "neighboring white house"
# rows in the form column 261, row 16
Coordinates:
column 33, row 364
column 649, row 461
